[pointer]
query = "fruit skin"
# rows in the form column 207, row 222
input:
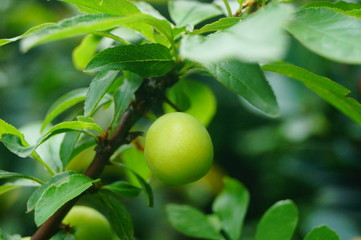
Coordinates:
column 87, row 223
column 178, row 148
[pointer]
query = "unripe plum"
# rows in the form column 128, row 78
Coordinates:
column 87, row 223
column 178, row 148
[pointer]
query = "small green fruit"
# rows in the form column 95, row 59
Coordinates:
column 178, row 148
column 82, row 160
column 87, row 223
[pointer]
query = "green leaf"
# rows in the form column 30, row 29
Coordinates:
column 6, row 128
column 248, row 81
column 73, row 144
column 86, row 50
column 118, row 216
column 124, row 95
column 279, row 222
column 191, row 222
column 5, row 174
column 27, row 33
column 249, row 40
column 7, row 188
column 147, row 188
column 123, row 189
column 90, row 23
column 37, row 194
column 18, row 184
column 115, row 7
column 79, row 126
column 194, row 98
column 14, row 144
column 221, row 24
column 62, row 104
column 341, row 5
column 147, row 8
column 57, row 194
column 23, row 182
column 148, row 60
column 98, row 88
column 329, row 33
column 189, row 12
column 330, row 91
column 322, row 233
column 231, row 207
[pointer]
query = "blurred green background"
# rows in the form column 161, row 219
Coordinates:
column 311, row 153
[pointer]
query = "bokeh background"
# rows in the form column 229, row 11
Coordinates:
column 311, row 153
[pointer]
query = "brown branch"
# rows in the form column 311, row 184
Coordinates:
column 151, row 91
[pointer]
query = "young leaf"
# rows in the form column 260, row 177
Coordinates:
column 115, row 7
column 27, row 33
column 279, row 222
column 56, row 195
column 191, row 222
column 63, row 103
column 249, row 40
column 321, row 233
column 148, row 60
column 123, row 189
column 83, row 53
column 329, row 33
column 248, row 81
column 118, row 216
column 194, row 98
column 86, row 24
column 330, row 91
column 190, row 12
column 5, row 174
column 231, row 207
column 124, row 94
column 14, row 144
column 221, row 24
column 98, row 88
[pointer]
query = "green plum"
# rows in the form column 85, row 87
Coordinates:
column 81, row 161
column 87, row 223
column 178, row 148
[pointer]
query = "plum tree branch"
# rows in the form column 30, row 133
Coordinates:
column 150, row 92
